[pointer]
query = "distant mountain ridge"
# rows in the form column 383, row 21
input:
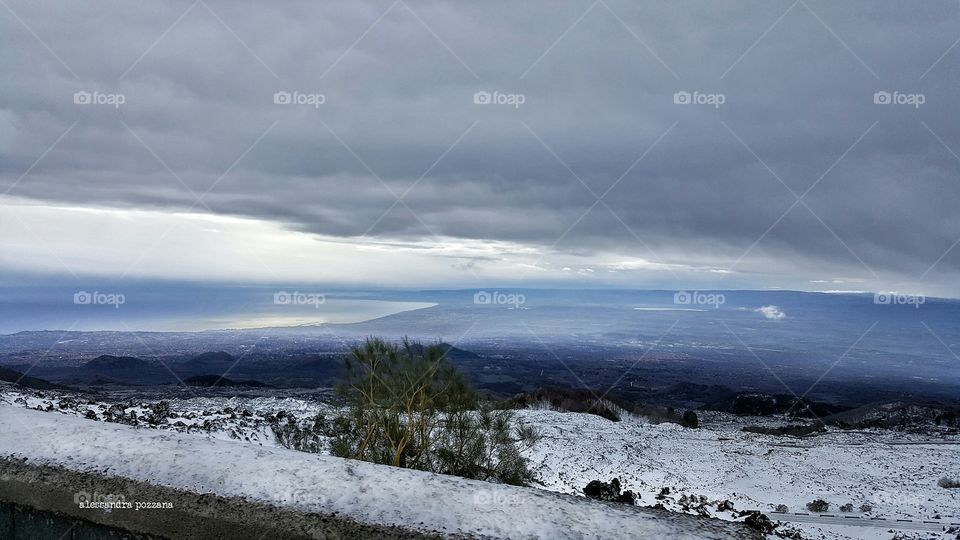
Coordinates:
column 108, row 361
column 118, row 369
column 15, row 377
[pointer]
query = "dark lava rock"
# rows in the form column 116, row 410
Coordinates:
column 604, row 491
column 759, row 522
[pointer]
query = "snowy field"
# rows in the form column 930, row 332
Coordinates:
column 311, row 482
column 894, row 474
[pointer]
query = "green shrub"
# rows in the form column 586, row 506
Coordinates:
column 528, row 435
column 408, row 407
column 307, row 435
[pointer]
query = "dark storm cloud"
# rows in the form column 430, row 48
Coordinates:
column 598, row 79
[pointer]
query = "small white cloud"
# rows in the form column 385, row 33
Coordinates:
column 843, row 291
column 772, row 312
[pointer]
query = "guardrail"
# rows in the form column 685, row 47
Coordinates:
column 865, row 521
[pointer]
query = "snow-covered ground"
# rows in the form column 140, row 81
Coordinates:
column 312, row 482
column 894, row 473
column 227, row 418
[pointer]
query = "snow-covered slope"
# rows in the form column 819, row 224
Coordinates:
column 318, row 483
column 894, row 473
column 706, row 469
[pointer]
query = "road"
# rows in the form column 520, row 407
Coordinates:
column 856, row 521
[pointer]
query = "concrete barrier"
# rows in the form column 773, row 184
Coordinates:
column 38, row 502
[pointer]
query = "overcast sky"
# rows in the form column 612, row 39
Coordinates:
column 783, row 171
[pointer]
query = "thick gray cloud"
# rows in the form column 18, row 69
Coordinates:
column 798, row 82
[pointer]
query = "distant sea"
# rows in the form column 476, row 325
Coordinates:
column 172, row 309
column 857, row 333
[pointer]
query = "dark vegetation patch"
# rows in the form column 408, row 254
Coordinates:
column 760, row 404
column 948, row 483
column 899, row 415
column 217, row 380
column 611, row 407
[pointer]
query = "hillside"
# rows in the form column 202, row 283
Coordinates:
column 724, row 469
column 365, row 492
column 16, row 377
